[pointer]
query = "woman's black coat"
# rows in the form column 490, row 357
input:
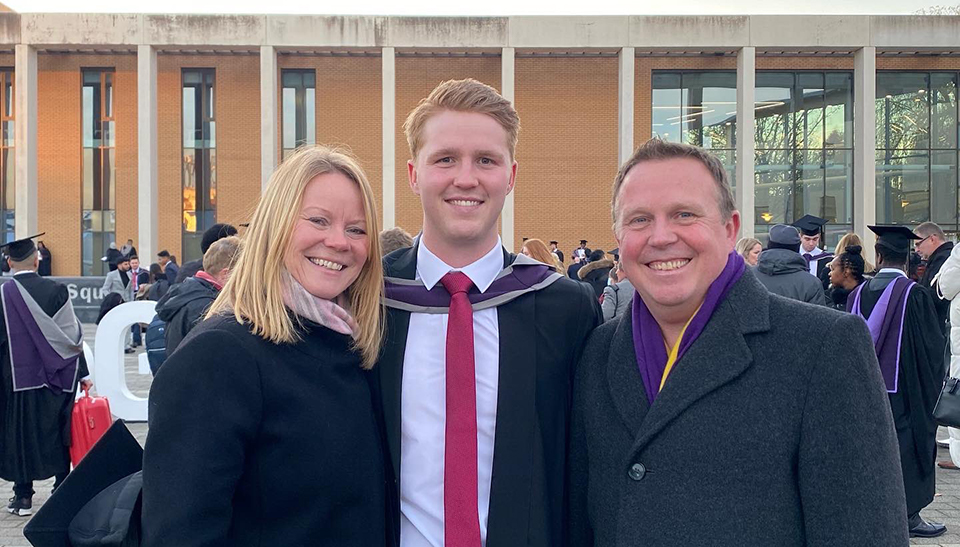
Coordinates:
column 255, row 443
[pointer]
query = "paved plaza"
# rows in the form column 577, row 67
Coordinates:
column 945, row 507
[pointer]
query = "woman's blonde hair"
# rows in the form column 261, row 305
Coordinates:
column 847, row 240
column 746, row 244
column 539, row 251
column 254, row 291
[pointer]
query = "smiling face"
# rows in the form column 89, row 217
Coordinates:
column 329, row 245
column 462, row 173
column 673, row 240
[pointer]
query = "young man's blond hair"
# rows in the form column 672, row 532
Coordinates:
column 462, row 96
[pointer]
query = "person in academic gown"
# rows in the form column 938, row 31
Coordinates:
column 811, row 237
column 46, row 260
column 910, row 344
column 35, row 409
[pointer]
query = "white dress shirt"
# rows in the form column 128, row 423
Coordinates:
column 423, row 404
column 817, row 251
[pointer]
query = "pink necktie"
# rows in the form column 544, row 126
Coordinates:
column 461, row 521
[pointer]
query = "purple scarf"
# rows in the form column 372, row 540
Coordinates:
column 648, row 338
column 523, row 276
column 886, row 326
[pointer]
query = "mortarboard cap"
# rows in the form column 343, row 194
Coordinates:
column 615, row 252
column 21, row 249
column 583, row 241
column 552, row 242
column 894, row 238
column 116, row 455
column 810, row 225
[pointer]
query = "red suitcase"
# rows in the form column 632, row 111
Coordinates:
column 91, row 419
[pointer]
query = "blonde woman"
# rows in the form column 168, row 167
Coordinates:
column 853, row 239
column 750, row 248
column 262, row 426
column 537, row 250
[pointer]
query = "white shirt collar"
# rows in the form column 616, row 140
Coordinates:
column 430, row 268
column 817, row 251
column 21, row 272
column 895, row 271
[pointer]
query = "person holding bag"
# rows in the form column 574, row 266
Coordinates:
column 262, row 426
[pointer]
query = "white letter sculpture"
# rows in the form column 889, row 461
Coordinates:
column 108, row 371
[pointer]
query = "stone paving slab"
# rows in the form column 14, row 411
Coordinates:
column 945, row 507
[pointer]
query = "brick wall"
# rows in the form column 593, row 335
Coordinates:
column 567, row 152
column 59, row 152
column 237, row 113
column 416, row 78
column 349, row 104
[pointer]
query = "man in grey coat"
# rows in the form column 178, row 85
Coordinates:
column 675, row 401
column 617, row 296
column 783, row 271
column 118, row 281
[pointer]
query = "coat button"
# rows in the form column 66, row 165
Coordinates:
column 637, row 471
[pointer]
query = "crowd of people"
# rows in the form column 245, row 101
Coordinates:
column 332, row 384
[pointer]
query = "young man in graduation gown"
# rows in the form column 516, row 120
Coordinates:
column 811, row 236
column 909, row 344
column 699, row 418
column 41, row 362
column 481, row 344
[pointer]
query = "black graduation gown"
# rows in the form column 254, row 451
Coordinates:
column 919, row 379
column 34, row 424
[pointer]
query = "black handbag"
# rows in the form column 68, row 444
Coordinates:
column 947, row 411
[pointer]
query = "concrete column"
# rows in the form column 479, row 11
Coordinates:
column 389, row 146
column 864, row 147
column 269, row 139
column 507, row 81
column 746, row 98
column 25, row 110
column 147, row 157
column 625, row 103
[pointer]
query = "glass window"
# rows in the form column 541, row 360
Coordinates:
column 99, row 169
column 198, row 179
column 299, row 119
column 7, row 154
column 804, row 141
column 917, row 148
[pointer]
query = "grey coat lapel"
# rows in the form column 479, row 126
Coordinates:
column 719, row 356
column 623, row 376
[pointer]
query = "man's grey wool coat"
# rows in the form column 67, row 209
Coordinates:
column 774, row 428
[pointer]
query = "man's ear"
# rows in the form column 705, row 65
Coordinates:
column 412, row 176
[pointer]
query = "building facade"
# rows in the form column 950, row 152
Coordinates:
column 153, row 127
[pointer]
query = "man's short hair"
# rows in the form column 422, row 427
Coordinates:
column 123, row 259
column 164, row 253
column 393, row 239
column 133, row 257
column 928, row 229
column 656, row 149
column 221, row 255
column 462, row 96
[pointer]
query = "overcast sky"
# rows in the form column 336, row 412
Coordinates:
column 488, row 7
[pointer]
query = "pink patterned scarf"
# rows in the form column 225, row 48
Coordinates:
column 324, row 312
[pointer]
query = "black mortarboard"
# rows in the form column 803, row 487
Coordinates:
column 116, row 455
column 810, row 225
column 583, row 241
column 895, row 238
column 615, row 252
column 552, row 242
column 21, row 249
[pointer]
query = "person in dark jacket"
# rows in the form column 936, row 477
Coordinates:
column 46, row 261
column 185, row 304
column 159, row 284
column 934, row 249
column 596, row 271
column 214, row 233
column 169, row 264
column 846, row 274
column 263, row 426
column 112, row 257
column 783, row 271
